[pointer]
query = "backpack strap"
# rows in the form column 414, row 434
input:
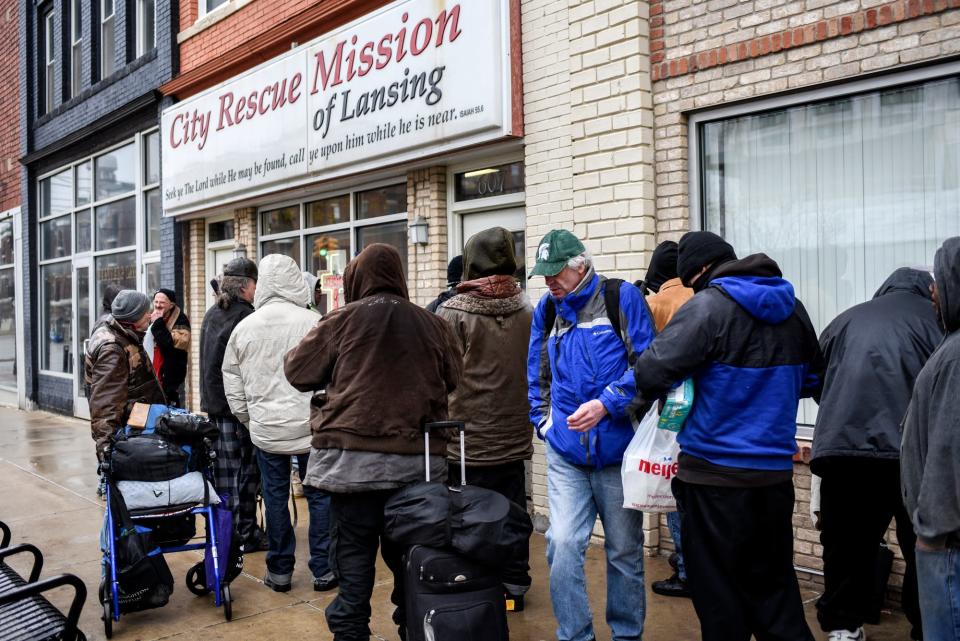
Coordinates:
column 611, row 300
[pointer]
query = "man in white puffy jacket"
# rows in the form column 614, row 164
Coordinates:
column 277, row 415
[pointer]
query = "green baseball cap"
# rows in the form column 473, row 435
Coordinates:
column 556, row 248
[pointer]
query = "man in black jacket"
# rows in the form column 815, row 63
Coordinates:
column 454, row 276
column 235, row 468
column 873, row 353
column 747, row 343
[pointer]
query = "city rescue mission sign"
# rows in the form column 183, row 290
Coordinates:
column 415, row 78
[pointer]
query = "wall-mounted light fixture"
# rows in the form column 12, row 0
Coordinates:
column 239, row 250
column 419, row 231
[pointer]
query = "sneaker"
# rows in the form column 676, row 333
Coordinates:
column 276, row 587
column 673, row 586
column 326, row 582
column 514, row 602
column 847, row 635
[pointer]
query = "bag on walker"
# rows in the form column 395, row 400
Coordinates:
column 649, row 465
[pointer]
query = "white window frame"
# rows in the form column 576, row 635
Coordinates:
column 138, row 193
column 353, row 224
column 107, row 63
column 879, row 82
column 76, row 47
column 49, row 62
column 456, row 211
column 203, row 11
column 141, row 44
column 151, row 256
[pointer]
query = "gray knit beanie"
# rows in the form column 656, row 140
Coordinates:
column 130, row 305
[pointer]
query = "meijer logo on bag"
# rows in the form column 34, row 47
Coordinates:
column 667, row 470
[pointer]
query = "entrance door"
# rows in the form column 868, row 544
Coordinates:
column 10, row 325
column 83, row 320
column 510, row 219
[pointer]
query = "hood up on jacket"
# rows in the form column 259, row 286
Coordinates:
column 946, row 270
column 909, row 280
column 376, row 270
column 757, row 285
column 280, row 280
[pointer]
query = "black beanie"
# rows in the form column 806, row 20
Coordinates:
column 663, row 265
column 169, row 293
column 455, row 271
column 697, row 249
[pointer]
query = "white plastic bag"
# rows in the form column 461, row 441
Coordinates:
column 649, row 465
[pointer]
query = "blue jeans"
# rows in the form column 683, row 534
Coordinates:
column 938, row 577
column 673, row 522
column 577, row 494
column 282, row 541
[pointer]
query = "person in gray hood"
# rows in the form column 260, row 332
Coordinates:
column 856, row 444
column 930, row 460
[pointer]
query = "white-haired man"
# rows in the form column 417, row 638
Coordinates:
column 585, row 333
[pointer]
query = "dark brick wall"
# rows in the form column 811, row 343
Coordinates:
column 90, row 122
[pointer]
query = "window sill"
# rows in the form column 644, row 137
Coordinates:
column 222, row 12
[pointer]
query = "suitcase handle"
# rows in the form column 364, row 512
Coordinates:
column 460, row 426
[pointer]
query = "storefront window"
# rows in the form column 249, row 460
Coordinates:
column 8, row 307
column 6, row 243
column 278, row 221
column 154, row 212
column 56, row 299
column 487, row 182
column 329, row 211
column 116, row 224
column 391, row 233
column 118, row 269
column 151, row 144
column 56, row 194
column 220, row 231
column 328, row 252
column 382, row 202
column 153, row 277
column 286, row 246
column 116, row 172
column 839, row 193
column 55, row 238
column 83, row 184
column 84, row 234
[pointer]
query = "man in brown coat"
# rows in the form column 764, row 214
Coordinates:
column 386, row 366
column 117, row 370
column 490, row 316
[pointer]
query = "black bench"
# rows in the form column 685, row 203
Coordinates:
column 24, row 613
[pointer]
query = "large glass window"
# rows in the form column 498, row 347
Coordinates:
column 99, row 223
column 840, row 193
column 323, row 235
column 486, row 182
column 56, row 299
column 108, row 49
column 8, row 307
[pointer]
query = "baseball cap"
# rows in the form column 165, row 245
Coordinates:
column 556, row 248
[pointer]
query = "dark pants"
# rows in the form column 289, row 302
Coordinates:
column 356, row 531
column 510, row 480
column 738, row 550
column 858, row 497
column 275, row 476
column 236, row 473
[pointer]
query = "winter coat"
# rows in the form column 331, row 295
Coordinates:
column 752, row 352
column 117, row 375
column 665, row 303
column 259, row 395
column 873, row 353
column 930, row 455
column 492, row 395
column 386, row 364
column 434, row 305
column 580, row 359
column 172, row 338
column 217, row 326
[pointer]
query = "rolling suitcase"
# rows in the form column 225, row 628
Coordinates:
column 448, row 597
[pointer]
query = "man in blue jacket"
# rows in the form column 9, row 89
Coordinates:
column 752, row 352
column 585, row 333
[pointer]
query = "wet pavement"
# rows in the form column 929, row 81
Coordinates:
column 48, row 498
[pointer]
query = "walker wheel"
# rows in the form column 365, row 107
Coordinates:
column 195, row 581
column 227, row 601
column 108, row 617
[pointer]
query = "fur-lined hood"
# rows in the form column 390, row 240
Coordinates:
column 488, row 306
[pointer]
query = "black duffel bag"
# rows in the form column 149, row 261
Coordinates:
column 478, row 523
column 143, row 576
column 187, row 429
column 148, row 457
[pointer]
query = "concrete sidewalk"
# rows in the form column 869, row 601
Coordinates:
column 47, row 465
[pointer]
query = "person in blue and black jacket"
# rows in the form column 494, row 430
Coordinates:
column 748, row 344
column 586, row 330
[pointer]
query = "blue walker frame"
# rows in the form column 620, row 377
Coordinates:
column 210, row 540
